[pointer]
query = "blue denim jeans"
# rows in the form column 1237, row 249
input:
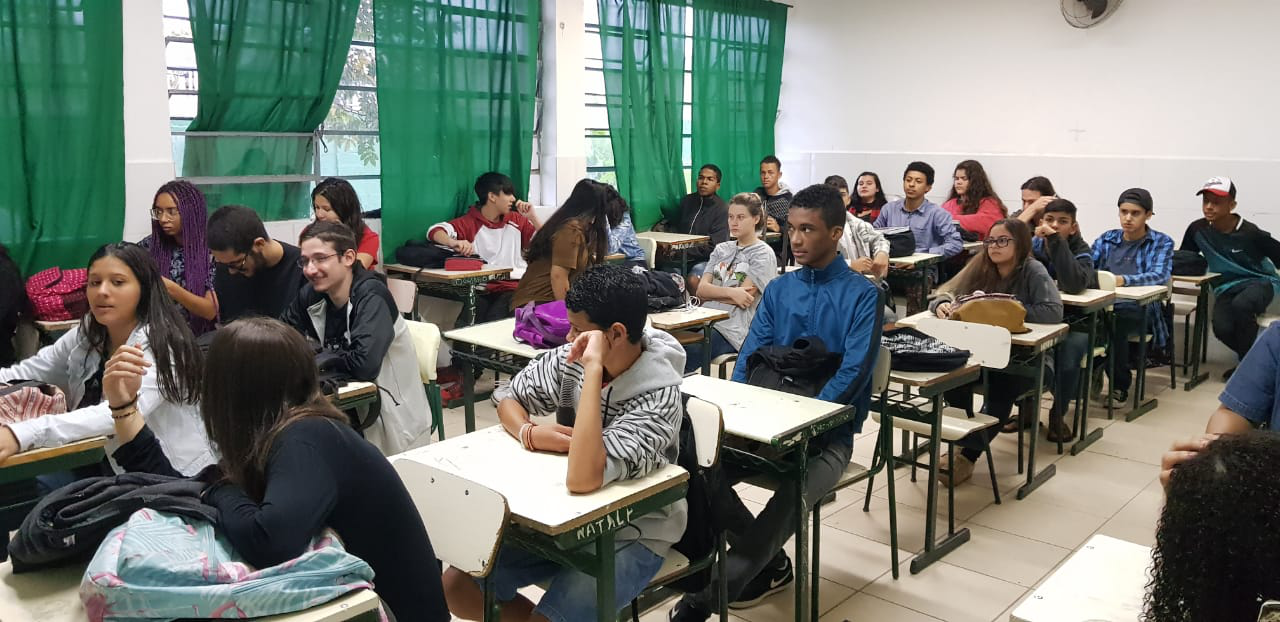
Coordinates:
column 693, row 351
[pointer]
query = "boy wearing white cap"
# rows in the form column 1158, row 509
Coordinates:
column 1245, row 255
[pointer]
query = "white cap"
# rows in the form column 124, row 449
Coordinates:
column 1220, row 186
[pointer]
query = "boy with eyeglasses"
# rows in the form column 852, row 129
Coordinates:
column 256, row 275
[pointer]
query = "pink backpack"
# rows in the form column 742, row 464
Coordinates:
column 58, row 294
column 28, row 399
column 542, row 325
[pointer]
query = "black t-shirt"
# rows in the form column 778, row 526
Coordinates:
column 93, row 387
column 336, row 326
column 268, row 293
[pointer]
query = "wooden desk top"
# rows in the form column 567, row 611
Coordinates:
column 757, row 413
column 1089, row 298
column 60, row 326
column 355, row 389
column 495, row 336
column 697, row 316
column 53, row 596
column 914, row 260
column 533, row 482
column 1104, row 580
column 1036, row 338
column 1196, row 280
column 1142, row 294
column 664, row 238
column 972, row 247
column 440, row 275
column 45, row 453
column 925, row 379
column 615, row 257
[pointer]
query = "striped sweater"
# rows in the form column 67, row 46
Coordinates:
column 642, row 411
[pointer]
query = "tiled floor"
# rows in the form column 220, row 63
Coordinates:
column 1110, row 489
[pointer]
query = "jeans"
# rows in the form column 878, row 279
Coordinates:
column 698, row 268
column 754, row 541
column 1066, row 371
column 1002, row 391
column 1235, row 314
column 493, row 307
column 1128, row 319
column 693, row 351
column 571, row 596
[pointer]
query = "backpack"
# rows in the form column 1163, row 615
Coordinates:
column 543, row 325
column 912, row 350
column 423, row 254
column 28, row 399
column 1189, row 263
column 802, row 368
column 902, row 242
column 665, row 290
column 1003, row 310
column 707, row 485
column 58, row 295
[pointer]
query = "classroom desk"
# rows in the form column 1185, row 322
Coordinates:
column 356, row 394
column 696, row 317
column 781, row 426
column 575, row 530
column 676, row 242
column 915, row 267
column 452, row 285
column 25, row 467
column 1086, row 308
column 50, row 331
column 1029, row 351
column 1143, row 296
column 615, row 258
column 972, row 248
column 1104, row 581
column 53, row 596
column 905, row 404
column 1199, row 345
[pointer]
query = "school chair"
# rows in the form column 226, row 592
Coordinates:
column 426, row 342
column 405, row 294
column 465, row 521
column 1107, row 282
column 708, row 433
column 650, row 248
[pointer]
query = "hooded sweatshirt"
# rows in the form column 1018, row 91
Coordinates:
column 1069, row 261
column 642, row 411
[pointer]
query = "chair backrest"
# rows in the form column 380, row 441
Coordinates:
column 988, row 345
column 426, row 342
column 708, row 429
column 880, row 377
column 405, row 293
column 465, row 520
column 650, row 251
column 1106, row 281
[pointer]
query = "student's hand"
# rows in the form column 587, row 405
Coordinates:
column 123, row 376
column 861, row 265
column 553, row 438
column 8, row 443
column 1180, row 452
column 589, row 348
column 772, row 224
column 740, row 297
column 880, row 265
column 1119, row 281
column 1037, row 207
column 171, row 286
column 464, row 247
column 942, row 310
column 1044, row 230
column 524, row 207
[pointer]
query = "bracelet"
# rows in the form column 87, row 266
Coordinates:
column 122, row 407
column 523, row 435
column 124, row 415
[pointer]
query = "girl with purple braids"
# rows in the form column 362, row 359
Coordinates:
column 177, row 244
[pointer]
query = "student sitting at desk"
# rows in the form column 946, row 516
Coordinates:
column 498, row 228
column 736, row 275
column 291, row 464
column 256, row 274
column 621, row 384
column 774, row 195
column 1137, row 255
column 177, row 243
column 349, row 311
column 623, row 240
column 1006, row 267
column 868, row 198
column 823, row 299
column 574, row 238
column 973, row 203
column 128, row 307
column 703, row 212
column 334, row 200
column 1244, row 255
column 932, row 226
column 1037, row 192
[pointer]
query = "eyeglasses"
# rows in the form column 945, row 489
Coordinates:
column 157, row 213
column 999, row 242
column 237, row 265
column 303, row 262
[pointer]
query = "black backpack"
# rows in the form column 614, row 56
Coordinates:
column 1189, row 263
column 913, row 350
column 802, row 368
column 708, row 491
column 423, row 254
column 665, row 289
column 902, row 242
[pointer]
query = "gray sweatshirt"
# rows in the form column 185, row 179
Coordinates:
column 730, row 265
column 1032, row 286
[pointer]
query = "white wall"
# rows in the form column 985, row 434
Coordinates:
column 1163, row 95
column 148, row 154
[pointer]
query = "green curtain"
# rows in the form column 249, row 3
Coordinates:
column 737, row 74
column 269, row 66
column 456, row 88
column 61, row 130
column 643, row 46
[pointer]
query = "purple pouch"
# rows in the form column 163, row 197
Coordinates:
column 543, row 325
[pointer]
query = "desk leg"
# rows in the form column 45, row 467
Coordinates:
column 1141, row 405
column 922, row 300
column 1199, row 339
column 933, row 551
column 1034, row 479
column 706, row 350
column 469, row 396
column 1111, row 364
column 1082, row 393
column 469, row 306
column 802, row 533
column 605, row 594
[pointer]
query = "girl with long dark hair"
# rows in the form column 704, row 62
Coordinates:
column 335, row 200
column 177, row 244
column 128, row 309
column 868, row 197
column 575, row 237
column 973, row 203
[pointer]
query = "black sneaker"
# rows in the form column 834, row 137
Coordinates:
column 1226, row 375
column 774, row 578
column 684, row 612
column 1119, row 399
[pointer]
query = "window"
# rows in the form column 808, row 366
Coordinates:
column 348, row 145
column 600, row 164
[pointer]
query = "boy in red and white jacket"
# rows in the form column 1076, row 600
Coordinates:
column 498, row 228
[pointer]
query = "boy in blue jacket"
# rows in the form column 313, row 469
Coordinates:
column 827, row 300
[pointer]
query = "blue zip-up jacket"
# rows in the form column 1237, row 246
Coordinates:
column 1155, row 267
column 837, row 305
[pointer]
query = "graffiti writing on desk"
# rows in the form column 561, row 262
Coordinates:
column 609, row 522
